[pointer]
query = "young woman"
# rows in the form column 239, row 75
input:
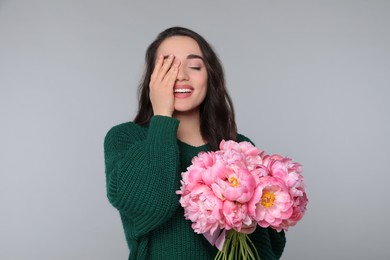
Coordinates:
column 184, row 109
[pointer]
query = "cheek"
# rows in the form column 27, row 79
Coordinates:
column 204, row 88
column 201, row 79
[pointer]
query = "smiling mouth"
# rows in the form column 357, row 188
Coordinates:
column 182, row 90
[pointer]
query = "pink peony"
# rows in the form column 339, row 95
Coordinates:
column 203, row 208
column 236, row 215
column 199, row 172
column 243, row 151
column 237, row 184
column 217, row 171
column 271, row 202
column 299, row 209
column 286, row 170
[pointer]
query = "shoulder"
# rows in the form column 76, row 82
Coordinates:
column 243, row 138
column 125, row 132
column 127, row 127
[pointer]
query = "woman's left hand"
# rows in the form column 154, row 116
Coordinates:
column 248, row 229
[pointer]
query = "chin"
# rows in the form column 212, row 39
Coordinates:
column 186, row 110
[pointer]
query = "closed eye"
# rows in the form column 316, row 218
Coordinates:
column 195, row 68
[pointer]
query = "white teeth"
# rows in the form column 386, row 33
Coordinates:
column 182, row 90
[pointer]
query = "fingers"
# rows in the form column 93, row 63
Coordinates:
column 171, row 76
column 157, row 67
column 165, row 72
column 162, row 67
column 249, row 229
column 165, row 67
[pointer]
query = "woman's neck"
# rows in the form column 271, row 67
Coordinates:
column 189, row 128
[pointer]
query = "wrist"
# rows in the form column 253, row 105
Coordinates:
column 163, row 113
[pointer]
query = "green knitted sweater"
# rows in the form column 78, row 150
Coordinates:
column 143, row 166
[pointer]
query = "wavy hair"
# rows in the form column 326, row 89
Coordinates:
column 216, row 111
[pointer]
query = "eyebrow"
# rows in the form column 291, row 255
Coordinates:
column 194, row 56
column 189, row 57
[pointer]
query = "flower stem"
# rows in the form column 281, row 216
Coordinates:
column 237, row 246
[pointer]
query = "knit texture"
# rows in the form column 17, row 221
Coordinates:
column 143, row 166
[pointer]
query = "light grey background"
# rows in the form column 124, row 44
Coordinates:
column 309, row 79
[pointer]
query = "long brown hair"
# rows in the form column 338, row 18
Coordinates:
column 217, row 120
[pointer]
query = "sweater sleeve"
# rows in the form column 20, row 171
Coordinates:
column 278, row 241
column 269, row 243
column 142, row 171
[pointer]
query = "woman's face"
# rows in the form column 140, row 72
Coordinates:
column 191, row 83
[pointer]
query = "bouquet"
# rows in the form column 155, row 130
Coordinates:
column 239, row 187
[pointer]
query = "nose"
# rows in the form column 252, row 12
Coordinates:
column 182, row 73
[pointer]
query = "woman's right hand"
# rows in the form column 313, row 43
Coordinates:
column 161, row 85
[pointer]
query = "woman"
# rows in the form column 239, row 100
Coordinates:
column 184, row 109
